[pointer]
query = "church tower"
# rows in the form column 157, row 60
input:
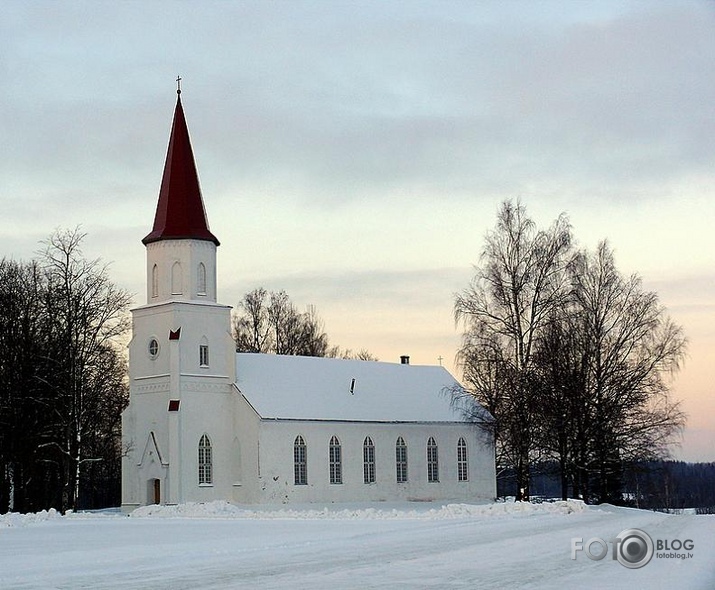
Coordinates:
column 182, row 355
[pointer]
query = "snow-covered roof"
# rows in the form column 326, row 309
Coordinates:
column 310, row 388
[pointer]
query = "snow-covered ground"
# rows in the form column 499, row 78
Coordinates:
column 411, row 546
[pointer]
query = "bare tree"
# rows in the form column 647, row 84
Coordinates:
column 62, row 375
column 86, row 316
column 604, row 366
column 251, row 325
column 634, row 348
column 287, row 325
column 22, row 412
column 561, row 360
column 364, row 355
column 314, row 340
column 337, row 352
column 268, row 322
column 518, row 283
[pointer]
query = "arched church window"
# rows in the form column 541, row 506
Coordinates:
column 154, row 281
column 176, row 279
column 368, row 460
column 205, row 461
column 401, row 460
column 432, row 461
column 336, row 461
column 462, row 463
column 201, row 279
column 300, row 461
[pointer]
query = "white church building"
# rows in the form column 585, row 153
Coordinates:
column 205, row 423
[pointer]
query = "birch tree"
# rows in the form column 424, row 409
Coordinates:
column 518, row 283
column 62, row 375
column 634, row 349
column 87, row 314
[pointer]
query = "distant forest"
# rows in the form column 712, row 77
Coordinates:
column 651, row 485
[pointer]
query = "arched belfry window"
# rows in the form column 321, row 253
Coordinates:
column 300, row 461
column 336, row 461
column 204, row 352
column 176, row 279
column 201, row 279
column 155, row 281
column 205, row 461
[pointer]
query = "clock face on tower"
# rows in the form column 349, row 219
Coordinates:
column 153, row 348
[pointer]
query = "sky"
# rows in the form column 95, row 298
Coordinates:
column 355, row 154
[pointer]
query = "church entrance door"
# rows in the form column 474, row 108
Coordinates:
column 155, row 491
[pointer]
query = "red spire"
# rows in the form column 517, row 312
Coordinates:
column 180, row 212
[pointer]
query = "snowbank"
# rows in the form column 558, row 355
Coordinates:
column 226, row 510
column 220, row 509
column 13, row 519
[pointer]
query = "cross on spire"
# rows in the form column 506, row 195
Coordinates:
column 178, row 84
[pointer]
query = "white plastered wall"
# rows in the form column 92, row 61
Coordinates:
column 276, row 440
